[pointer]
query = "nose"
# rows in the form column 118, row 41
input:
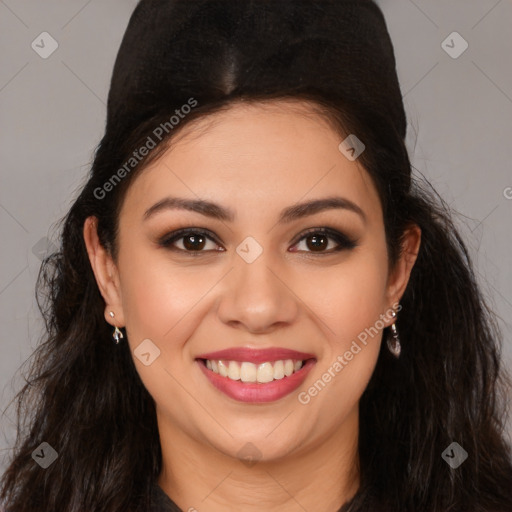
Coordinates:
column 257, row 298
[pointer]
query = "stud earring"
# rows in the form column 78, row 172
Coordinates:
column 393, row 342
column 117, row 334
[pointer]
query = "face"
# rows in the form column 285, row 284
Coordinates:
column 255, row 272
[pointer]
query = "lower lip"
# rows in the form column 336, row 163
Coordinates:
column 255, row 392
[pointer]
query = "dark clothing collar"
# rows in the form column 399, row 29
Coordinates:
column 160, row 502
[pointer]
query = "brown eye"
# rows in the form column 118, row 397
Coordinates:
column 317, row 241
column 194, row 242
column 190, row 241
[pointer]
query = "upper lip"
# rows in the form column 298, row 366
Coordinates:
column 256, row 356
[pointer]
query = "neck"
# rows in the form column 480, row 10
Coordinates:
column 321, row 477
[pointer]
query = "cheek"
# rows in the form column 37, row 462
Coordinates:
column 350, row 310
column 348, row 297
column 160, row 302
column 157, row 295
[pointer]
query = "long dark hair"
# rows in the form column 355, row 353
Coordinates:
column 83, row 395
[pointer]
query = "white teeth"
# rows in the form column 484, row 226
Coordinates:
column 233, row 370
column 265, row 372
column 288, row 367
column 250, row 372
column 223, row 369
column 279, row 369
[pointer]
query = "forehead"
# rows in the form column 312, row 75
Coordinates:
column 265, row 154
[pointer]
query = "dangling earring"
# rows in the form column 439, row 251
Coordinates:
column 117, row 334
column 393, row 342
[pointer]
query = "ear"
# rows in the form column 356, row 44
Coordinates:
column 105, row 272
column 400, row 274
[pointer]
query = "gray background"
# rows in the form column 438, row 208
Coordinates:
column 53, row 114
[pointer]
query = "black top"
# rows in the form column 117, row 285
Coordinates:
column 160, row 502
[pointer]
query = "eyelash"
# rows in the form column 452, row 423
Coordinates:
column 343, row 241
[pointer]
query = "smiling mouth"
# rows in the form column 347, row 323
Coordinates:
column 260, row 373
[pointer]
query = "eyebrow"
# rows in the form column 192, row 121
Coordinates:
column 289, row 214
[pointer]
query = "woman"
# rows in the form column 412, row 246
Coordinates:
column 255, row 305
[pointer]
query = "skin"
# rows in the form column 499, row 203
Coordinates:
column 255, row 159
